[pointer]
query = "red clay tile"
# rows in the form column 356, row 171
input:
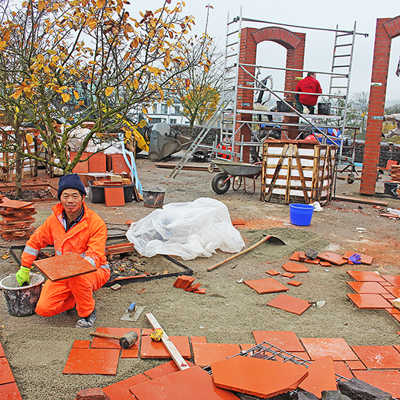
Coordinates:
column 206, row 353
column 10, row 391
column 378, row 357
column 393, row 290
column 82, row 167
column 184, row 281
column 162, row 369
column 200, row 291
column 257, row 377
column 65, row 266
column 396, row 317
column 366, row 276
column 394, row 280
column 325, row 264
column 388, row 381
column 388, row 296
column 365, row 259
column 315, row 261
column 266, row 285
column 356, row 365
column 384, row 284
column 342, row 369
column 337, row 348
column 198, row 339
column 294, row 283
column 97, row 162
column 369, row 301
column 17, row 204
column 367, row 287
column 294, row 267
column 246, row 346
column 2, row 354
column 301, row 354
column 397, row 347
column 288, row 275
column 393, row 310
column 118, row 164
column 120, row 390
column 289, row 303
column 114, row 196
column 92, row 361
column 151, row 349
column 298, row 256
column 285, row 340
column 192, row 383
column 331, row 257
column 321, row 376
column 193, row 288
column 272, row 272
column 81, row 344
column 6, row 375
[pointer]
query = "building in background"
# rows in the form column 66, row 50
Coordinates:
column 162, row 112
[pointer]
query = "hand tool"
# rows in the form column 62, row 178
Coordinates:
column 125, row 341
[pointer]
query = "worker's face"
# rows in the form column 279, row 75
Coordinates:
column 71, row 200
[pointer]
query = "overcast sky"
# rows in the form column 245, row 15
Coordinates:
column 319, row 45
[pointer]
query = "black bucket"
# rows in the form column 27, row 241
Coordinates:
column 21, row 300
column 153, row 199
column 324, row 108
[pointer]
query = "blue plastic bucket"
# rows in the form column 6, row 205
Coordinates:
column 301, row 214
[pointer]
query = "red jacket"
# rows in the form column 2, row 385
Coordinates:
column 308, row 85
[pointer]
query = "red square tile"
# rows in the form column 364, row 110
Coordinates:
column 288, row 275
column 151, row 349
column 162, row 369
column 366, row 276
column 342, row 369
column 387, row 296
column 298, row 256
column 198, row 339
column 92, row 361
column 294, row 267
column 378, row 357
column 337, row 348
column 97, row 162
column 114, row 196
column 6, row 375
column 331, row 257
column 285, row 340
column 272, row 272
column 397, row 347
column 10, row 391
column 120, row 390
column 365, row 259
column 266, row 285
column 394, row 280
column 393, row 310
column 369, row 301
column 206, row 353
column 246, row 346
column 294, row 283
column 356, row 365
column 325, row 264
column 367, row 287
column 384, row 284
column 291, row 304
column 393, row 290
column 388, row 381
column 315, row 261
column 301, row 354
column 81, row 344
column 192, row 383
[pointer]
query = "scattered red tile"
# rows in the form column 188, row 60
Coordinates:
column 342, row 369
column 298, row 256
column 162, row 369
column 246, row 346
column 10, row 391
column 120, row 390
column 2, row 354
column 17, row 204
column 184, row 281
column 331, row 257
column 238, row 221
column 6, row 375
column 114, row 196
column 365, row 259
column 325, row 264
column 257, row 377
column 387, row 296
column 369, row 301
column 285, row 340
column 366, row 276
column 315, row 261
column 356, row 365
column 266, row 285
column 92, row 361
column 200, row 291
column 294, row 283
column 321, row 376
column 396, row 317
column 367, row 287
column 152, row 349
column 81, row 344
column 207, row 353
column 337, row 348
column 288, row 303
column 193, row 288
column 394, row 280
column 388, row 381
column 106, row 343
column 295, row 267
column 301, row 354
column 393, row 310
column 272, row 272
column 288, row 275
column 378, row 357
column 394, row 290
column 129, row 222
column 198, row 339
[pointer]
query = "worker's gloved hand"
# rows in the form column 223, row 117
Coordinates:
column 23, row 276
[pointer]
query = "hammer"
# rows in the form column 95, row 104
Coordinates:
column 125, row 341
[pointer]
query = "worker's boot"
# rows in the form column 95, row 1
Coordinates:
column 87, row 322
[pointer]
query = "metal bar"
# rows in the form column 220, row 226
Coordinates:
column 343, row 45
column 292, row 91
column 232, row 44
column 342, row 55
column 341, row 66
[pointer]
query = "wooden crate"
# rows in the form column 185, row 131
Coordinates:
column 297, row 172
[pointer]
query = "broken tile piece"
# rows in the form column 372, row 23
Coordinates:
column 331, row 257
column 295, row 267
column 266, row 285
column 366, row 276
column 152, row 349
column 298, row 256
column 342, row 369
column 6, row 375
column 285, row 340
column 288, row 275
column 337, row 348
column 315, row 261
column 205, row 354
column 325, row 264
column 388, row 381
column 272, row 272
column 321, row 376
column 367, row 287
column 378, row 357
column 288, row 303
column 369, row 301
column 294, row 283
column 257, row 377
column 120, row 390
column 9, row 391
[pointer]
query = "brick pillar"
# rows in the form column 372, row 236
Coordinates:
column 376, row 107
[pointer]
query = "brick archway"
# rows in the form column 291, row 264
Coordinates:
column 386, row 30
column 294, row 43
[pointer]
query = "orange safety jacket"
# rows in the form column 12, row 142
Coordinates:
column 87, row 238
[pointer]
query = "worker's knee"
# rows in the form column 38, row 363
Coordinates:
column 44, row 311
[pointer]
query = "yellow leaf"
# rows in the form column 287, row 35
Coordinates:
column 29, row 138
column 136, row 84
column 66, row 97
column 76, row 95
column 100, row 3
column 109, row 91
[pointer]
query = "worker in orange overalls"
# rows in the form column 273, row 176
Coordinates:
column 72, row 228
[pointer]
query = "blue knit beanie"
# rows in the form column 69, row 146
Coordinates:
column 70, row 182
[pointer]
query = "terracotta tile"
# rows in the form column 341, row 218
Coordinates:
column 337, row 348
column 6, row 375
column 198, row 339
column 289, row 303
column 315, row 261
column 184, row 281
column 366, row 276
column 120, row 390
column 378, row 357
column 367, row 287
column 397, row 347
column 206, row 353
column 272, row 272
column 193, row 288
column 294, row 283
column 151, row 349
column 388, row 381
column 257, row 377
column 294, row 267
column 92, row 361
column 82, row 167
column 266, row 285
column 384, row 284
column 342, row 369
column 17, row 204
column 285, row 340
column 97, row 162
column 321, row 376
column 192, row 383
column 288, row 275
column 2, row 354
column 370, row 301
column 325, row 264
column 393, row 290
column 118, row 164
column 65, row 266
column 365, row 259
column 388, row 296
column 394, row 280
column 356, row 365
column 396, row 317
column 200, row 291
column 298, row 256
column 301, row 354
column 162, row 369
column 246, row 346
column 393, row 310
column 10, row 391
column 81, row 344
column 114, row 196
column 331, row 257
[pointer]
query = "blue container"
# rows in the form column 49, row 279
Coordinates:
column 301, row 214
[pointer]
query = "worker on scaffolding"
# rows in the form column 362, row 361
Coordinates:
column 307, row 86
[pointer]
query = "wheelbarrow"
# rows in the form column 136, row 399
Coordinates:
column 236, row 172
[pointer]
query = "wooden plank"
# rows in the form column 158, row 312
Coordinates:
column 264, row 169
column 359, row 200
column 276, row 173
column 172, row 350
column 289, row 173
